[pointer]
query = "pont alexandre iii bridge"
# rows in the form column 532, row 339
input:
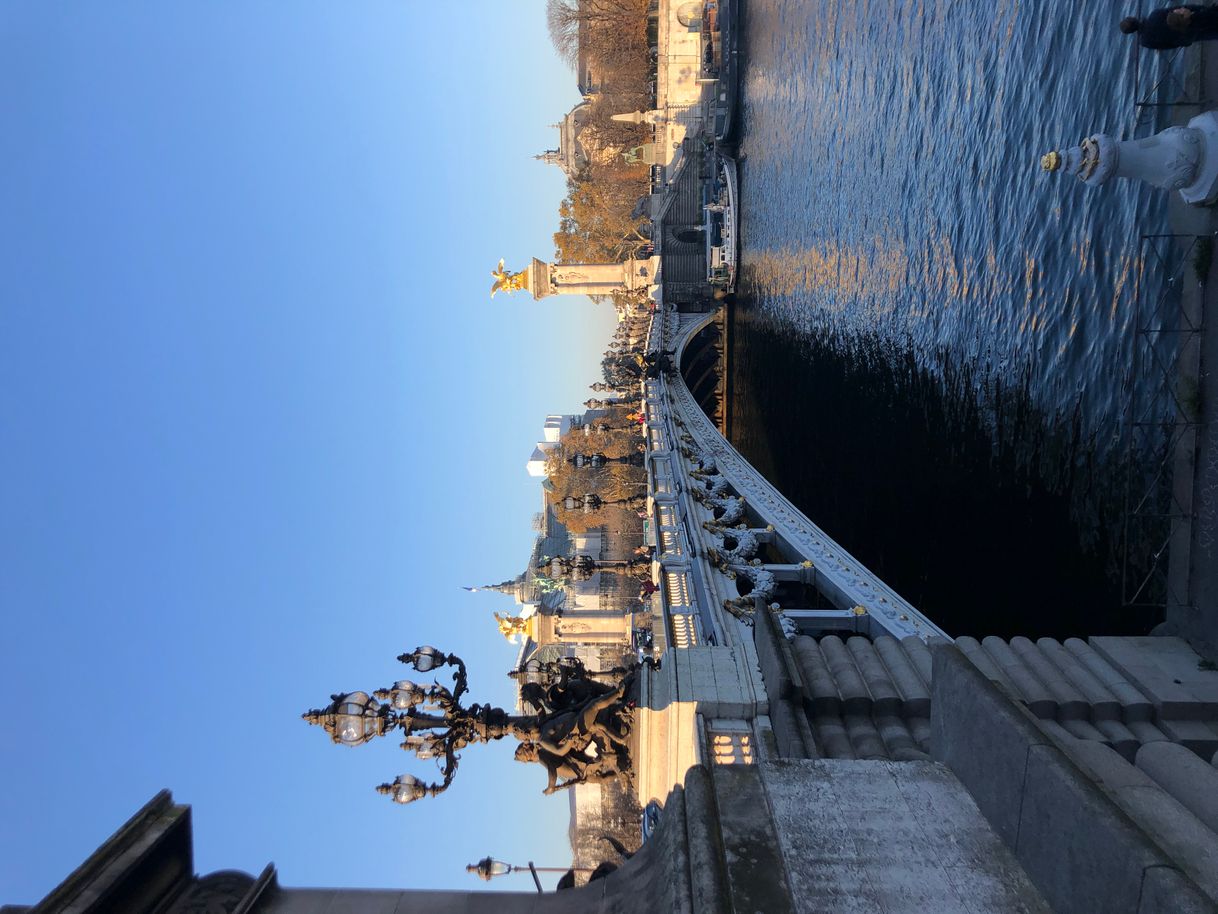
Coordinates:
column 805, row 740
column 840, row 752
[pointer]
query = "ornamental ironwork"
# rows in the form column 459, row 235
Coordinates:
column 579, row 729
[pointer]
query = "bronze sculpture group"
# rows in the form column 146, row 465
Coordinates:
column 583, row 731
column 579, row 729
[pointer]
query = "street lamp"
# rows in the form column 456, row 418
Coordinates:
column 488, row 868
column 352, row 719
column 436, row 724
column 582, row 729
column 406, row 788
column 588, row 503
column 424, row 659
column 404, row 694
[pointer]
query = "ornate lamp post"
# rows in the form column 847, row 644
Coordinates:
column 588, row 461
column 592, row 502
column 407, row 788
column 582, row 567
column 589, row 503
column 435, row 722
column 580, row 734
column 352, row 719
column 596, row 461
column 488, row 868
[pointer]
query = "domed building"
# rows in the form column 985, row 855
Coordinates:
column 570, row 155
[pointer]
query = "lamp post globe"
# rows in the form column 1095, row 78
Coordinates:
column 488, row 868
column 352, row 719
column 403, row 695
column 406, row 788
column 424, row 659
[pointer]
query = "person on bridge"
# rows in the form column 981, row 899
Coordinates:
column 661, row 364
column 1173, row 26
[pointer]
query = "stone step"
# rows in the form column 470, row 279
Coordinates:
column 1134, row 705
column 885, row 699
column 1104, row 705
column 915, row 694
column 871, row 699
column 864, row 699
column 1167, row 672
column 1185, row 776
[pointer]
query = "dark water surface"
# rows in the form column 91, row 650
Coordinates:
column 933, row 345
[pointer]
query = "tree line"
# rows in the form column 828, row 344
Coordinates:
column 596, row 218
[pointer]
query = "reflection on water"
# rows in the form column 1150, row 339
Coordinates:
column 933, row 342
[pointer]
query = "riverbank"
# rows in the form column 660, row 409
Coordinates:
column 1192, row 579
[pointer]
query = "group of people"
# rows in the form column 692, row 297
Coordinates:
column 1173, row 26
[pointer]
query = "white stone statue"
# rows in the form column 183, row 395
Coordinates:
column 1183, row 159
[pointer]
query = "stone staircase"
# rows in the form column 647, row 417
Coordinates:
column 1094, row 763
column 866, row 699
column 870, row 699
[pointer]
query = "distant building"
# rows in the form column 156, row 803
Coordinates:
column 570, row 156
column 573, row 618
column 554, row 428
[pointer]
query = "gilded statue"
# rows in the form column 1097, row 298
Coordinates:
column 506, row 281
column 512, row 625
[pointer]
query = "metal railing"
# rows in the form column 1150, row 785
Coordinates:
column 1162, row 415
column 1160, row 84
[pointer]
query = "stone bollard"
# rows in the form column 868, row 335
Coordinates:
column 1071, row 704
column 972, row 649
column 1183, row 159
column 1104, row 705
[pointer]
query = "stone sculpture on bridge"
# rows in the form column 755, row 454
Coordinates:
column 580, row 731
column 507, row 281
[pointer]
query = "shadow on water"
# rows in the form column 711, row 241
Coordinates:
column 936, row 349
column 992, row 519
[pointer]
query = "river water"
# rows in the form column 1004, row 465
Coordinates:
column 933, row 345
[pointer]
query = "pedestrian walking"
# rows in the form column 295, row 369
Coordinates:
column 1173, row 26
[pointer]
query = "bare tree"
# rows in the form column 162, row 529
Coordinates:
column 596, row 21
column 562, row 21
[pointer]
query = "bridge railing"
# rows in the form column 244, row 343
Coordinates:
column 836, row 574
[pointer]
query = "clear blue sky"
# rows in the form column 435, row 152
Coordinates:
column 259, row 419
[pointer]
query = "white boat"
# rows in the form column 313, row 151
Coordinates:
column 721, row 227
